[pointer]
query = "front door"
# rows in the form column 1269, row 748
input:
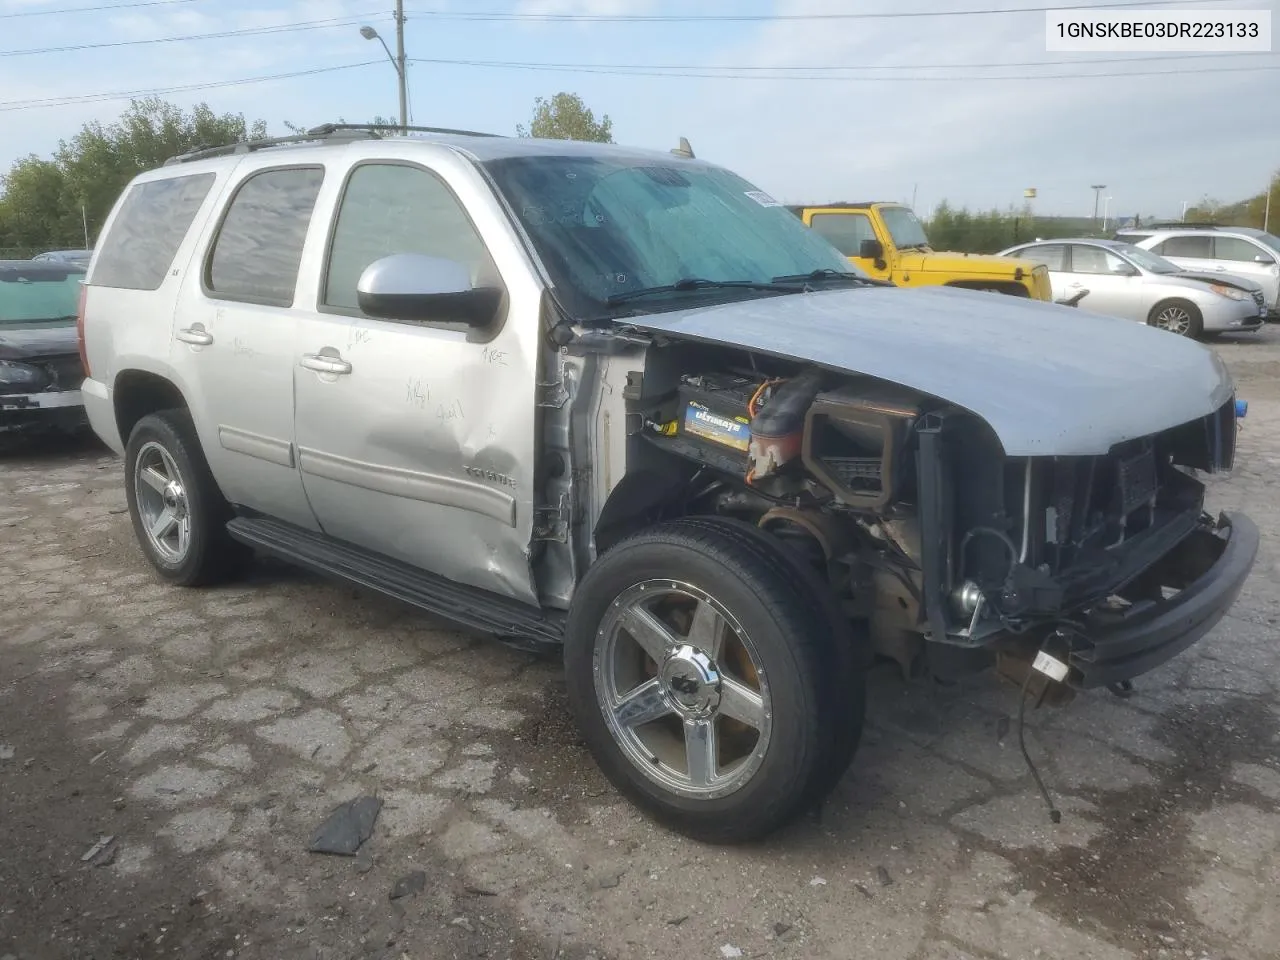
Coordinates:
column 416, row 440
column 1247, row 258
column 1114, row 288
column 234, row 340
column 846, row 231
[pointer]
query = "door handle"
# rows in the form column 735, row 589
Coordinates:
column 323, row 364
column 195, row 335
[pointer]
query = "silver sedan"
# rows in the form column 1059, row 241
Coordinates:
column 1121, row 280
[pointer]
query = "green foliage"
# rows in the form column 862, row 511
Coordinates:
column 45, row 202
column 566, row 117
column 959, row 230
column 1244, row 213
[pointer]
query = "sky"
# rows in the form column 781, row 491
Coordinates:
column 967, row 108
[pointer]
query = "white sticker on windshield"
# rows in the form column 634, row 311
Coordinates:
column 762, row 198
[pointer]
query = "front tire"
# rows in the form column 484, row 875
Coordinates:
column 178, row 513
column 1177, row 316
column 706, row 679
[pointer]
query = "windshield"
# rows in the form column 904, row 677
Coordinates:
column 905, row 228
column 1151, row 262
column 39, row 299
column 604, row 226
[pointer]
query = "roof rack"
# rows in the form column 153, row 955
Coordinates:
column 325, row 133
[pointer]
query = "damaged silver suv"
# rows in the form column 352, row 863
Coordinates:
column 623, row 405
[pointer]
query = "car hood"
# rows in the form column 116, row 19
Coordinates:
column 25, row 341
column 1049, row 380
column 942, row 261
column 1213, row 276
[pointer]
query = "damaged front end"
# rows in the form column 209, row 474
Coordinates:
column 1108, row 562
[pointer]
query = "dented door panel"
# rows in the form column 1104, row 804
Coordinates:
column 417, row 440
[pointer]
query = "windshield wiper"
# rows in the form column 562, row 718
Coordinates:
column 697, row 283
column 827, row 274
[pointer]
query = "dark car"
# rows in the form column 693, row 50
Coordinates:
column 40, row 366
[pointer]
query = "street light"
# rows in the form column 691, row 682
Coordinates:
column 1106, row 205
column 396, row 61
column 1097, row 189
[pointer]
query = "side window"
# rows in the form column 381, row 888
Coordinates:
column 1200, row 247
column 138, row 250
column 1095, row 260
column 256, row 254
column 393, row 208
column 1234, row 248
column 844, row 231
column 1051, row 255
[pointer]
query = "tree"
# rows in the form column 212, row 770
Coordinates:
column 46, row 202
column 566, row 117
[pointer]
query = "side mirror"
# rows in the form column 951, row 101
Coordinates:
column 1123, row 269
column 1264, row 259
column 871, row 250
column 414, row 286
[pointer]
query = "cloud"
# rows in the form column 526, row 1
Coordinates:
column 977, row 141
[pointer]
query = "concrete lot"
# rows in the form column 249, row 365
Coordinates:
column 210, row 733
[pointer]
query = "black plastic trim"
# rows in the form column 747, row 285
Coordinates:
column 1124, row 648
column 515, row 623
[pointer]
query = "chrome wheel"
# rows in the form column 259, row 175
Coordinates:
column 681, row 688
column 162, row 503
column 1175, row 319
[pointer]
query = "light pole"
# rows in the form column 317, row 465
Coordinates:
column 1185, row 204
column 1097, row 189
column 1106, row 206
column 397, row 60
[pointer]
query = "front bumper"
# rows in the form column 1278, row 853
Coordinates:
column 1210, row 566
column 1235, row 315
column 52, row 408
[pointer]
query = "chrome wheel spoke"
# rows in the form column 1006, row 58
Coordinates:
column 184, row 534
column 642, row 705
column 741, row 703
column 706, row 632
column 164, row 524
column 700, row 749
column 648, row 631
column 154, row 479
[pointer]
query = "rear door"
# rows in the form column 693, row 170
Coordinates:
column 416, row 439
column 1053, row 256
column 1191, row 251
column 234, row 338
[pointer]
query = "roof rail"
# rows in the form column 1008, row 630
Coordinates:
column 1182, row 225
column 377, row 129
column 325, row 133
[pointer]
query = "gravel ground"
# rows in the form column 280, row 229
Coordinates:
column 210, row 732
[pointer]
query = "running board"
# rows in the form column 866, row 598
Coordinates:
column 515, row 623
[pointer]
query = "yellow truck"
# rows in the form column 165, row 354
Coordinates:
column 888, row 241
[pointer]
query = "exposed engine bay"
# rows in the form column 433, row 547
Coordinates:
column 954, row 555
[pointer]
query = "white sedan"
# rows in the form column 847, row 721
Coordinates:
column 1121, row 280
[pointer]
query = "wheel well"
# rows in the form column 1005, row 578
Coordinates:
column 138, row 393
column 998, row 286
column 641, row 498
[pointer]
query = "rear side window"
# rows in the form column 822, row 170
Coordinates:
column 138, row 250
column 1051, row 255
column 1200, row 247
column 256, row 254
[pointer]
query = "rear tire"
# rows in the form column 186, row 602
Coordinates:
column 766, row 688
column 1177, row 316
column 178, row 513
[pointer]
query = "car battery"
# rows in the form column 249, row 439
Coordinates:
column 713, row 414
